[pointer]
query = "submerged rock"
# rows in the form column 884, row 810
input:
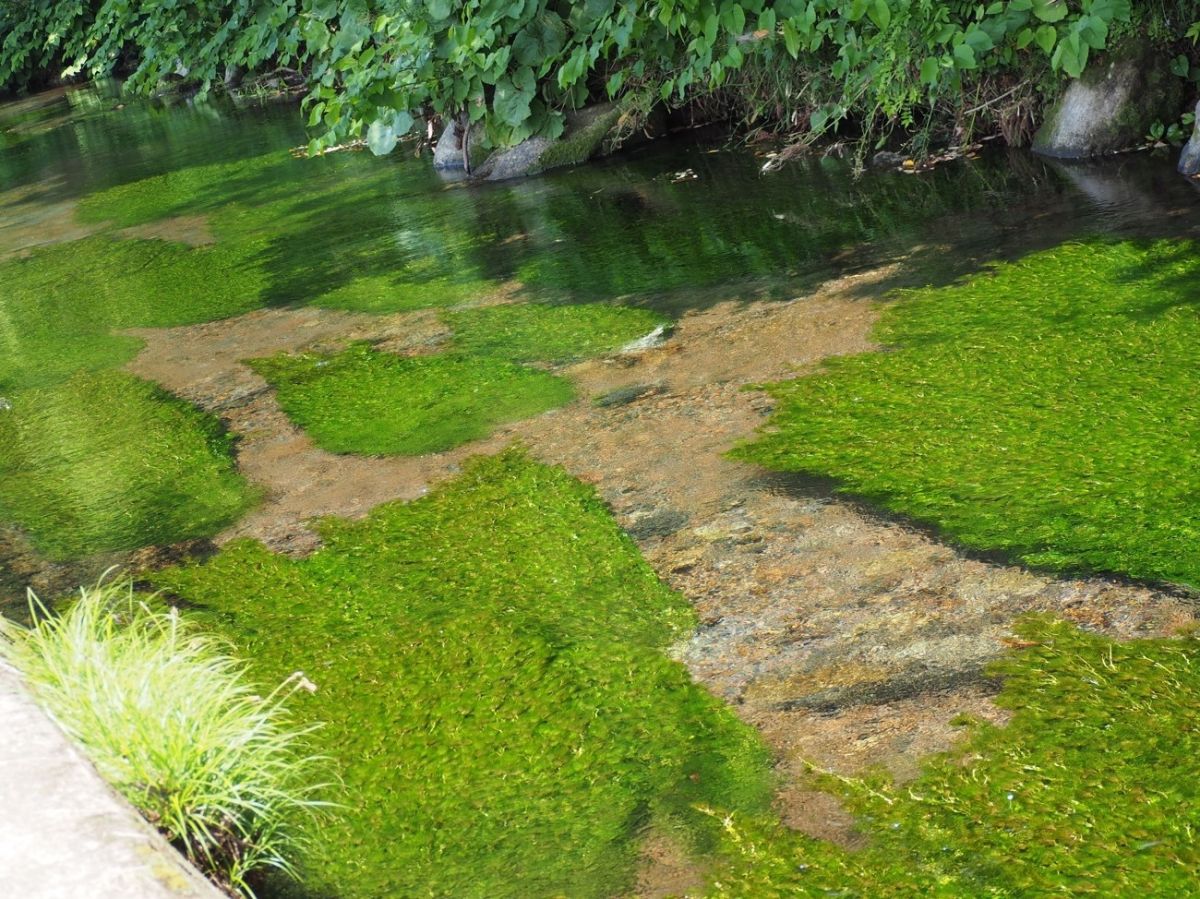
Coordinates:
column 1189, row 159
column 1111, row 106
column 623, row 396
column 653, row 340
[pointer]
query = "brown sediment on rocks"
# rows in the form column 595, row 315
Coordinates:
column 190, row 230
column 31, row 220
column 850, row 640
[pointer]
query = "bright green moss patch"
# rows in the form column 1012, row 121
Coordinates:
column 1047, row 410
column 381, row 294
column 531, row 332
column 1093, row 788
column 61, row 306
column 376, row 403
column 491, row 673
column 104, row 461
column 194, row 189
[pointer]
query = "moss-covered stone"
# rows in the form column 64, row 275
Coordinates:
column 1112, row 105
column 581, row 140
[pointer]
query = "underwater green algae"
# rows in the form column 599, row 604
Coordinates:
column 376, row 403
column 496, row 697
column 104, row 461
column 1046, row 410
column 343, row 233
column 62, row 306
column 1092, row 788
column 535, row 332
column 381, row 294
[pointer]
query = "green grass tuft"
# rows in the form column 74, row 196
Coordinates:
column 105, row 461
column 1091, row 788
column 1047, row 410
column 376, row 403
column 534, row 332
column 172, row 722
column 495, row 689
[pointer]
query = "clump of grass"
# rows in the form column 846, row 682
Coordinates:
column 495, row 688
column 1046, row 410
column 105, row 461
column 174, row 724
column 536, row 332
column 1092, row 787
column 376, row 403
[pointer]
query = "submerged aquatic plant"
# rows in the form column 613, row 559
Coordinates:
column 538, row 332
column 175, row 725
column 105, row 461
column 367, row 401
column 495, row 687
column 1046, row 409
column 1092, row 788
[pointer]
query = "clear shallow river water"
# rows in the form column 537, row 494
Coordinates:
column 116, row 216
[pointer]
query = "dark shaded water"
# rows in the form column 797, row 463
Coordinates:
column 622, row 228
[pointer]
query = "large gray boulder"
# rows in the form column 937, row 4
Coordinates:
column 1189, row 159
column 582, row 139
column 448, row 151
column 1111, row 106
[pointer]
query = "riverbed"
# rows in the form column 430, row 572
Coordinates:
column 162, row 248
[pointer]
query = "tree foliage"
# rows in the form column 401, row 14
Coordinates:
column 374, row 67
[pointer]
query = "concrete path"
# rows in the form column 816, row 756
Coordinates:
column 64, row 834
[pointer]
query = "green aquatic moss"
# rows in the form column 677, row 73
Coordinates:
column 195, row 189
column 491, row 670
column 105, row 461
column 1092, row 788
column 62, row 306
column 319, row 231
column 376, row 403
column 381, row 294
column 1046, row 410
column 534, row 332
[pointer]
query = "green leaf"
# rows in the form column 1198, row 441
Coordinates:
column 791, row 38
column 1050, row 10
column 931, row 69
column 881, row 14
column 980, row 41
column 439, row 9
column 1046, row 37
column 513, row 96
column 735, row 19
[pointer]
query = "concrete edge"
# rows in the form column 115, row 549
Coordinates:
column 64, row 832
